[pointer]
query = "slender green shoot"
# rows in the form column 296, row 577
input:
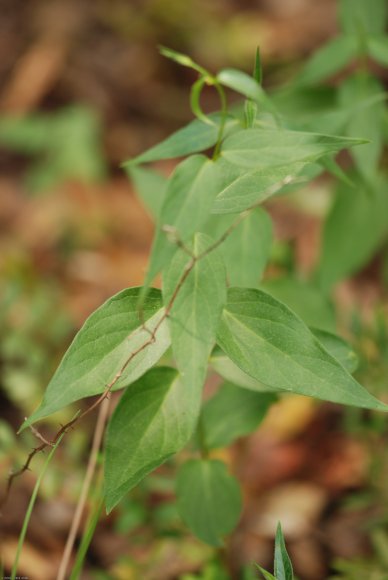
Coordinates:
column 86, row 539
column 27, row 517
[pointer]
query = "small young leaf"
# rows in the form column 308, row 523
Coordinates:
column 232, row 413
column 270, row 343
column 101, row 348
column 187, row 204
column 209, row 499
column 250, row 113
column 182, row 59
column 267, row 575
column 329, row 59
column 150, row 187
column 349, row 241
column 259, row 148
column 153, row 420
column 196, row 310
column 282, row 563
column 247, row 86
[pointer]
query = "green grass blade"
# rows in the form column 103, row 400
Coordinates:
column 86, row 539
column 27, row 517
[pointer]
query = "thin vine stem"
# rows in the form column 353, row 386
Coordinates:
column 152, row 334
column 224, row 115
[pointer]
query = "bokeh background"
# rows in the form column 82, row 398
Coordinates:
column 89, row 89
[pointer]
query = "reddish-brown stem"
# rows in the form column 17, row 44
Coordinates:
column 188, row 268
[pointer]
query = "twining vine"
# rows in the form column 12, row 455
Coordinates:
column 171, row 233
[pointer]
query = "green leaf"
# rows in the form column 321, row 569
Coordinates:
column 304, row 101
column 101, row 348
column 328, row 60
column 232, row 413
column 367, row 123
column 153, row 420
column 229, row 371
column 259, row 148
column 355, row 228
column 196, row 136
column 240, row 82
column 267, row 575
column 209, row 499
column 182, row 59
column 239, row 188
column 378, row 49
column 28, row 135
column 332, row 167
column 250, row 113
column 304, row 299
column 257, row 69
column 196, row 309
column 247, row 248
column 247, row 86
column 270, row 343
column 363, row 17
column 150, row 187
column 187, row 204
column 338, row 348
column 68, row 140
column 282, row 563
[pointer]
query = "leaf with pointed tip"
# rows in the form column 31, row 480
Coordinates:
column 328, row 60
column 196, row 309
column 153, row 420
column 209, row 499
column 332, row 167
column 187, row 204
column 270, row 343
column 101, row 348
column 182, row 59
column 195, row 137
column 150, row 187
column 269, row 148
column 232, row 413
column 349, row 241
column 267, row 575
column 282, row 563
